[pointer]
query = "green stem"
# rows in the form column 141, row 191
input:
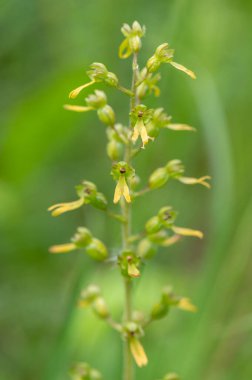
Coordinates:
column 126, row 233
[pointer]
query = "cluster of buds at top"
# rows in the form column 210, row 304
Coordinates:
column 91, row 296
column 87, row 193
column 83, row 238
column 132, row 42
column 120, row 172
column 174, row 169
column 96, row 102
column 140, row 116
column 83, row 371
column 164, row 54
column 167, row 300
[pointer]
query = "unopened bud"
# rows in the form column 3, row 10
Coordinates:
column 89, row 294
column 153, row 225
column 100, row 308
column 106, row 115
column 111, row 79
column 146, row 249
column 82, row 238
column 97, row 100
column 97, row 250
column 114, row 150
column 86, row 190
column 158, row 178
column 171, row 376
column 167, row 216
column 175, row 168
column 159, row 310
column 99, row 201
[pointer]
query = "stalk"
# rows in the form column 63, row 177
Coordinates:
column 126, row 233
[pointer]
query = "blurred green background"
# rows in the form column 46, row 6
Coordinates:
column 46, row 46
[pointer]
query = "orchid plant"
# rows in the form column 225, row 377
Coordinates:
column 161, row 230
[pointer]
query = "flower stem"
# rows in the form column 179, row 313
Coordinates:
column 126, row 233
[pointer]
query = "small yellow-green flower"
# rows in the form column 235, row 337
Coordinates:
column 140, row 116
column 120, row 172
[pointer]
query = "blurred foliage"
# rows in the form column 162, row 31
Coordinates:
column 46, row 47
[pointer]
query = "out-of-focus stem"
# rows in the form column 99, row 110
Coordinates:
column 126, row 233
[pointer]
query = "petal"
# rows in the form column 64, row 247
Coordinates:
column 135, row 134
column 132, row 270
column 170, row 241
column 60, row 208
column 138, row 353
column 185, row 304
column 118, row 193
column 187, row 232
column 73, row 94
column 70, row 107
column 184, row 69
column 126, row 190
column 62, row 248
column 180, row 127
column 194, row 181
column 143, row 133
column 124, row 49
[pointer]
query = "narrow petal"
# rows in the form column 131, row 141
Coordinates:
column 143, row 133
column 180, row 127
column 185, row 304
column 187, row 232
column 194, row 181
column 70, row 107
column 62, row 248
column 138, row 352
column 171, row 240
column 60, row 208
column 135, row 134
column 184, row 69
column 118, row 193
column 73, row 94
column 125, row 187
column 124, row 49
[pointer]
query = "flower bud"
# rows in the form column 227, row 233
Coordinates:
column 99, row 201
column 146, row 249
column 153, row 225
column 89, row 294
column 175, row 168
column 158, row 178
column 96, row 100
column 106, row 115
column 95, row 375
column 158, row 237
column 82, row 238
column 114, row 150
column 98, row 72
column 159, row 310
column 135, row 43
column 111, row 79
column 86, row 190
column 167, row 216
column 97, row 250
column 100, row 308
